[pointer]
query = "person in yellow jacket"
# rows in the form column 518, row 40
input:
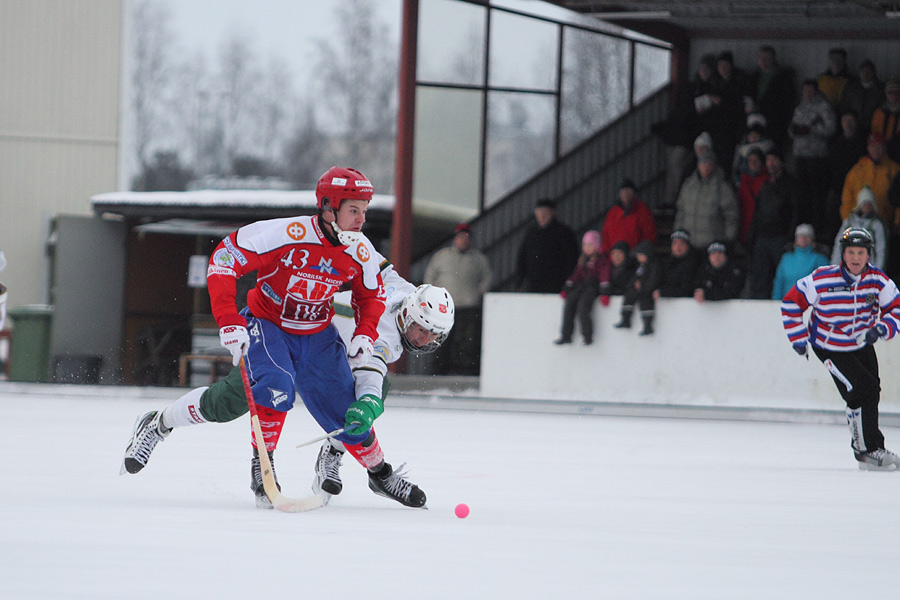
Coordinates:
column 877, row 171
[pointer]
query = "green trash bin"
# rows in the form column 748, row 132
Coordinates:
column 29, row 352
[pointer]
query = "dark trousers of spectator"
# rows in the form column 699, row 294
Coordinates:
column 855, row 374
column 645, row 303
column 767, row 253
column 460, row 354
column 579, row 303
column 814, row 177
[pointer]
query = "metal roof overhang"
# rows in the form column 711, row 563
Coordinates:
column 742, row 19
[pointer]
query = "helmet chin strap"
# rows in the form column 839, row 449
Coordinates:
column 346, row 238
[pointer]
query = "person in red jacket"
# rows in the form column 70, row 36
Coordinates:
column 628, row 220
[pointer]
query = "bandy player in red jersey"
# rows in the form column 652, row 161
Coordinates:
column 285, row 332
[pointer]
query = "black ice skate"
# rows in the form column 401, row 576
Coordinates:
column 327, row 482
column 877, row 460
column 148, row 431
column 256, row 482
column 393, row 484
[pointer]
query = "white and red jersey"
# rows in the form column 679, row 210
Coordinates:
column 844, row 307
column 298, row 273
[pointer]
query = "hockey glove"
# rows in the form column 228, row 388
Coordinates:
column 800, row 348
column 235, row 339
column 875, row 333
column 362, row 414
column 360, row 351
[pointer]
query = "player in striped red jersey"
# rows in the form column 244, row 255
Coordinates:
column 853, row 304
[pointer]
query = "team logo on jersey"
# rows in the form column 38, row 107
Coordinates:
column 325, row 266
column 296, row 231
column 870, row 299
column 362, row 253
column 223, row 258
column 278, row 397
column 382, row 352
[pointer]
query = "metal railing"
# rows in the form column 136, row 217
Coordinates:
column 584, row 182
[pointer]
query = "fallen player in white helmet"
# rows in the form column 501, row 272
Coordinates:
column 417, row 319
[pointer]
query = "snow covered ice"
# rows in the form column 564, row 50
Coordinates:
column 562, row 507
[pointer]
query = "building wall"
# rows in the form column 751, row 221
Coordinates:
column 59, row 107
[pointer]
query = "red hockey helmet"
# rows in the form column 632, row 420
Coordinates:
column 342, row 183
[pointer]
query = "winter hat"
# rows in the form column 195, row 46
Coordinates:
column 462, row 228
column 709, row 60
column 591, row 237
column 545, row 203
column 805, row 229
column 681, row 234
column 865, row 195
column 704, row 139
column 776, row 152
column 645, row 248
column 727, row 56
column 876, row 138
column 627, row 183
column 716, row 247
column 892, row 85
column 621, row 245
column 756, row 122
column 757, row 151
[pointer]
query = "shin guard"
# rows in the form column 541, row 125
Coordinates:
column 368, row 453
column 271, row 422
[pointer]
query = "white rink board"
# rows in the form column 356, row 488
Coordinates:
column 730, row 354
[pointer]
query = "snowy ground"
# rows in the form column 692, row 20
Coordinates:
column 562, row 507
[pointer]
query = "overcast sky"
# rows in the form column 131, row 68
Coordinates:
column 283, row 28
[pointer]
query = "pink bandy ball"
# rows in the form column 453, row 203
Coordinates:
column 462, row 510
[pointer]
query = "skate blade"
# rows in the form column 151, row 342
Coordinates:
column 863, row 466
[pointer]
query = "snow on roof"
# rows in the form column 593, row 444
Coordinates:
column 207, row 198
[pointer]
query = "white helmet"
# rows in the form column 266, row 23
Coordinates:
column 432, row 309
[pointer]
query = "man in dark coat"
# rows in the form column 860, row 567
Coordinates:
column 679, row 269
column 548, row 253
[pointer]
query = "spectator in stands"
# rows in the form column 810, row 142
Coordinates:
column 754, row 138
column 548, row 252
column 628, row 219
column 679, row 269
column 677, row 134
column 805, row 257
column 719, row 278
column 587, row 282
column 877, row 171
column 640, row 289
column 730, row 86
column 620, row 268
column 844, row 151
column 863, row 95
column 835, row 78
column 773, row 223
column 706, row 102
column 811, row 126
column 748, row 190
column 706, row 204
column 772, row 87
column 466, row 274
column 886, row 118
column 865, row 216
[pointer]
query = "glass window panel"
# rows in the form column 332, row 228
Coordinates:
column 652, row 70
column 447, row 167
column 595, row 84
column 451, row 42
column 520, row 140
column 523, row 52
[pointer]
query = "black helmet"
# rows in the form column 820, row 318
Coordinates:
column 856, row 236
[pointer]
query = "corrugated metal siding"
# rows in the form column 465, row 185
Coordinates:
column 59, row 107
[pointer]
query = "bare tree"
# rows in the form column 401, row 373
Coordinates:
column 357, row 76
column 239, row 76
column 151, row 75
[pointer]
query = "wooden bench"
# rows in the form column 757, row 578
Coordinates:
column 214, row 359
